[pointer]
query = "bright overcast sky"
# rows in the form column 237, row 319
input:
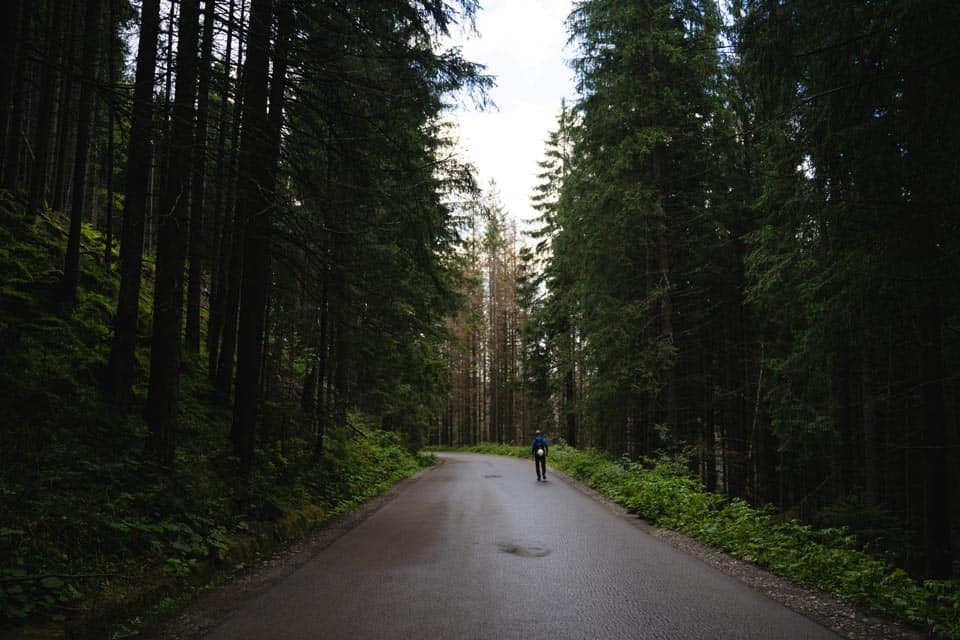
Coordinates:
column 522, row 44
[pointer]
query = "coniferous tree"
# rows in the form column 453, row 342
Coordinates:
column 552, row 328
column 47, row 107
column 632, row 193
column 221, row 209
column 165, row 346
column 255, row 201
column 11, row 52
column 855, row 241
column 198, row 203
column 121, row 367
column 89, row 69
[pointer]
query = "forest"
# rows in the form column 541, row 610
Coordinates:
column 229, row 243
column 746, row 256
column 244, row 271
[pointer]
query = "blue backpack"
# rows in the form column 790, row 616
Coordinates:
column 540, row 443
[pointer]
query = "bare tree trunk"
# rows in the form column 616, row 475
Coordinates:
column 91, row 54
column 162, row 396
column 162, row 160
column 10, row 54
column 48, row 104
column 322, row 360
column 13, row 144
column 231, row 308
column 111, row 74
column 233, row 259
column 938, row 497
column 65, row 120
column 197, row 204
column 871, row 439
column 255, row 205
column 121, row 366
column 222, row 213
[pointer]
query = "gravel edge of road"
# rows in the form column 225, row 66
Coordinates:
column 828, row 609
column 211, row 607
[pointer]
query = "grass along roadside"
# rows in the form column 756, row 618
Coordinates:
column 663, row 493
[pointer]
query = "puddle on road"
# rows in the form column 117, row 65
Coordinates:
column 524, row 551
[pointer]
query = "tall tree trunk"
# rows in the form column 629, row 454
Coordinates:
column 233, row 259
column 91, row 55
column 10, row 54
column 197, row 203
column 342, row 352
column 570, row 389
column 108, row 169
column 938, row 482
column 162, row 160
column 111, row 130
column 871, row 440
column 321, row 366
column 930, row 222
column 162, row 396
column 231, row 308
column 139, row 157
column 39, row 176
column 255, row 205
column 223, row 214
column 14, row 128
column 65, row 120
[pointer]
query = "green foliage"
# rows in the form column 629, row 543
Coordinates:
column 180, row 544
column 359, row 468
column 97, row 524
column 829, row 558
column 637, row 216
column 875, row 527
column 109, row 525
column 23, row 594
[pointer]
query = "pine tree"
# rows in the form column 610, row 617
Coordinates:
column 161, row 410
column 121, row 367
column 852, row 249
column 89, row 69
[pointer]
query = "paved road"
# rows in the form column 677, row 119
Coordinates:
column 477, row 548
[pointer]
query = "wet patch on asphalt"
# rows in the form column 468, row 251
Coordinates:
column 524, row 551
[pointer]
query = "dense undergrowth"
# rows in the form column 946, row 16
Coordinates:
column 93, row 537
column 662, row 492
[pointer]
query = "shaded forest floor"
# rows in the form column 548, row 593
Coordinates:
column 663, row 493
column 95, row 540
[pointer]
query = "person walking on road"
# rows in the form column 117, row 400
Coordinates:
column 540, row 455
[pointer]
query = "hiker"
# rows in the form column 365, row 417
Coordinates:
column 540, row 455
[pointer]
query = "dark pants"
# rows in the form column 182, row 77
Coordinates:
column 541, row 466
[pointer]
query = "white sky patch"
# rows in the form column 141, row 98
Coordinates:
column 521, row 43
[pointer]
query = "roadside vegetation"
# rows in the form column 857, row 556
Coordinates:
column 664, row 493
column 95, row 538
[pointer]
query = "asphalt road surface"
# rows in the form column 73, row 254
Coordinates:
column 477, row 548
